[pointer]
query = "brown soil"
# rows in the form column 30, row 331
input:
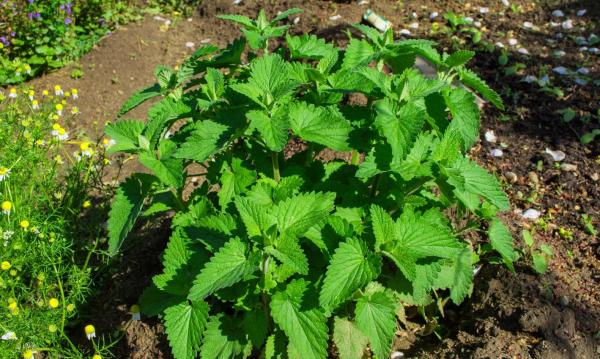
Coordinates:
column 510, row 315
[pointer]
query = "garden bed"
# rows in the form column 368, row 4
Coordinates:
column 555, row 315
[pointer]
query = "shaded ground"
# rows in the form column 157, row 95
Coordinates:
column 521, row 315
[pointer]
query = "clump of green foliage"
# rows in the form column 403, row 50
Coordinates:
column 48, row 227
column 276, row 252
column 46, row 34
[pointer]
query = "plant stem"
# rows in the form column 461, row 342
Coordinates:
column 375, row 184
column 355, row 158
column 264, row 296
column 275, row 160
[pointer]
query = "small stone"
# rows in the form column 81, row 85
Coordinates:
column 593, row 50
column 581, row 12
column 567, row 25
column 499, row 44
column 557, row 155
column 505, row 3
column 561, row 70
column 595, row 177
column 567, row 167
column 523, row 51
column 414, row 25
column 496, row 152
column 512, row 42
column 468, row 19
column 237, row 2
column 559, row 53
column 414, row 15
column 490, row 136
column 529, row 79
column 363, row 2
column 528, row 25
column 189, row 45
column 205, row 41
column 477, row 24
column 532, row 214
column 583, row 71
column 433, row 15
column 335, row 17
column 511, row 177
column 533, row 178
column 564, row 300
column 405, row 32
column 484, row 10
column 296, row 20
column 558, row 13
column 397, row 355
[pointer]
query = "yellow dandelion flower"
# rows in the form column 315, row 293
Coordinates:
column 5, row 265
column 24, row 224
column 53, row 303
column 6, row 207
column 90, row 331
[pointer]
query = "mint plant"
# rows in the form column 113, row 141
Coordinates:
column 274, row 252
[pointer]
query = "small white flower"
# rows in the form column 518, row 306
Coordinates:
column 414, row 25
column 433, row 15
column 557, row 155
column 581, row 12
column 237, row 2
column 7, row 235
column 528, row 25
column 499, row 44
column 558, row 13
column 109, row 143
column 484, row 10
column 190, row 45
column 405, row 32
column 9, row 336
column 496, row 152
column 335, row 17
column 532, row 214
column 561, row 70
column 512, row 42
column 529, row 79
column 59, row 92
column 490, row 136
column 523, row 51
column 567, row 25
column 583, row 71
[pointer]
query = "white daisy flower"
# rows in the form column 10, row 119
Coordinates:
column 4, row 173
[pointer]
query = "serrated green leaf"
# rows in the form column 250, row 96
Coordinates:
column 222, row 338
column 465, row 115
column 473, row 81
column 125, row 133
column 352, row 267
column 288, row 251
column 256, row 326
column 126, row 208
column 375, row 316
column 215, row 84
column 240, row 19
column 273, row 130
column 469, row 179
column 162, row 114
column 184, row 325
column 422, row 48
column 154, row 301
column 459, row 58
column 540, row 262
column 169, row 170
column 348, row 339
column 502, row 241
column 383, row 226
column 358, row 53
column 306, row 328
column 417, row 86
column 207, row 138
column 256, row 218
column 234, row 181
column 297, row 214
column 308, row 47
column 457, row 275
column 322, row 125
column 228, row 266
column 138, row 98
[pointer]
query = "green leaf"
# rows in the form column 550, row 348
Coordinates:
column 288, row 251
column 162, row 114
column 235, row 179
column 138, row 98
column 306, row 328
column 324, row 126
column 469, row 179
column 256, row 327
column 383, row 226
column 414, row 238
column 348, row 339
column 184, row 324
column 352, row 267
column 465, row 115
column 375, row 316
column 126, row 207
column 458, row 275
column 222, row 338
column 399, row 127
column 207, row 138
column 473, row 81
column 358, row 53
column 285, row 14
column 182, row 260
column 154, row 301
column 297, row 214
column 417, row 86
column 540, row 262
column 125, row 133
column 168, row 170
column 215, row 84
column 308, row 47
column 228, row 266
column 459, row 58
column 243, row 20
column 422, row 48
column 166, row 77
column 502, row 242
column 274, row 130
column 256, row 218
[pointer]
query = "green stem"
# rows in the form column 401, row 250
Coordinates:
column 275, row 160
column 375, row 184
column 355, row 158
column 264, row 296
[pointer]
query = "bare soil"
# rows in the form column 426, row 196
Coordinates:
column 510, row 315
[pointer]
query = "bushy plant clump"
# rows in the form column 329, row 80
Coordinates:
column 46, row 241
column 274, row 252
column 43, row 34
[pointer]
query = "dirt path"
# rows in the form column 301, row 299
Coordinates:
column 522, row 315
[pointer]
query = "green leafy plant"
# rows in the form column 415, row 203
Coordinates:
column 272, row 250
column 540, row 255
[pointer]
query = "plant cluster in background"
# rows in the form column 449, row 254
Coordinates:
column 185, row 7
column 37, row 35
column 49, row 228
column 274, row 252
